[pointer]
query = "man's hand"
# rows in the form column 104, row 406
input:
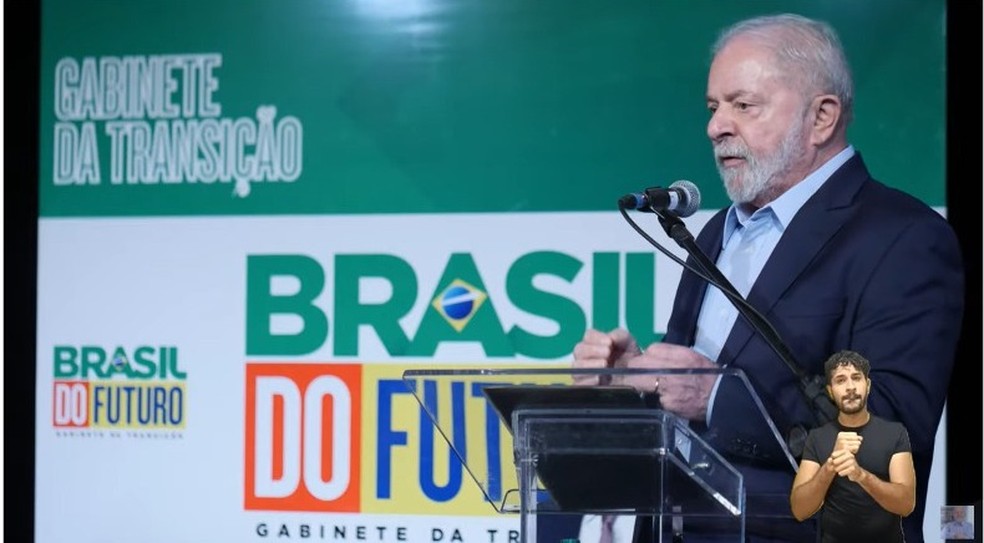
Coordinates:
column 685, row 395
column 845, row 464
column 599, row 350
column 849, row 441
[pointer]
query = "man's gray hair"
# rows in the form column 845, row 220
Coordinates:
column 809, row 49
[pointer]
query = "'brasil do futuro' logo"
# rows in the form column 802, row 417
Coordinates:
column 327, row 435
column 118, row 388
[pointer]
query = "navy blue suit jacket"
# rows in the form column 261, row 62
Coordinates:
column 861, row 266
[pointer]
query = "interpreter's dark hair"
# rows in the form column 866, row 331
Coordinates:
column 846, row 358
column 808, row 49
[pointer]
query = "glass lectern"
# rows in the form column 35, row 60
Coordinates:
column 595, row 449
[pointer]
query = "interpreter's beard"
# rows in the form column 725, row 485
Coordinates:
column 759, row 174
column 853, row 403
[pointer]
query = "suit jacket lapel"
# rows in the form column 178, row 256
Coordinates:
column 812, row 227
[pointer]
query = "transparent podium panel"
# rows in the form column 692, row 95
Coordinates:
column 558, row 440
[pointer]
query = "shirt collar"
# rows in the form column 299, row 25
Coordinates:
column 784, row 208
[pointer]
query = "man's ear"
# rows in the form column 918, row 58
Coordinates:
column 830, row 392
column 825, row 116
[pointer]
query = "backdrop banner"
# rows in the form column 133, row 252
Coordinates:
column 255, row 215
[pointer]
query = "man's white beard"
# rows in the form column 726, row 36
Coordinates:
column 747, row 183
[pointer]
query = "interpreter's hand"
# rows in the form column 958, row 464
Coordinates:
column 846, row 465
column 685, row 395
column 600, row 350
column 850, row 441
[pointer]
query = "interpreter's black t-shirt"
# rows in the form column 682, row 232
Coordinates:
column 849, row 514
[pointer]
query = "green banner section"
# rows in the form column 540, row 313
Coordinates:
column 403, row 106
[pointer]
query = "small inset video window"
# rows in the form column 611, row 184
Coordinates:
column 957, row 522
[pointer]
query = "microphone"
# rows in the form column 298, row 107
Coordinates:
column 682, row 198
